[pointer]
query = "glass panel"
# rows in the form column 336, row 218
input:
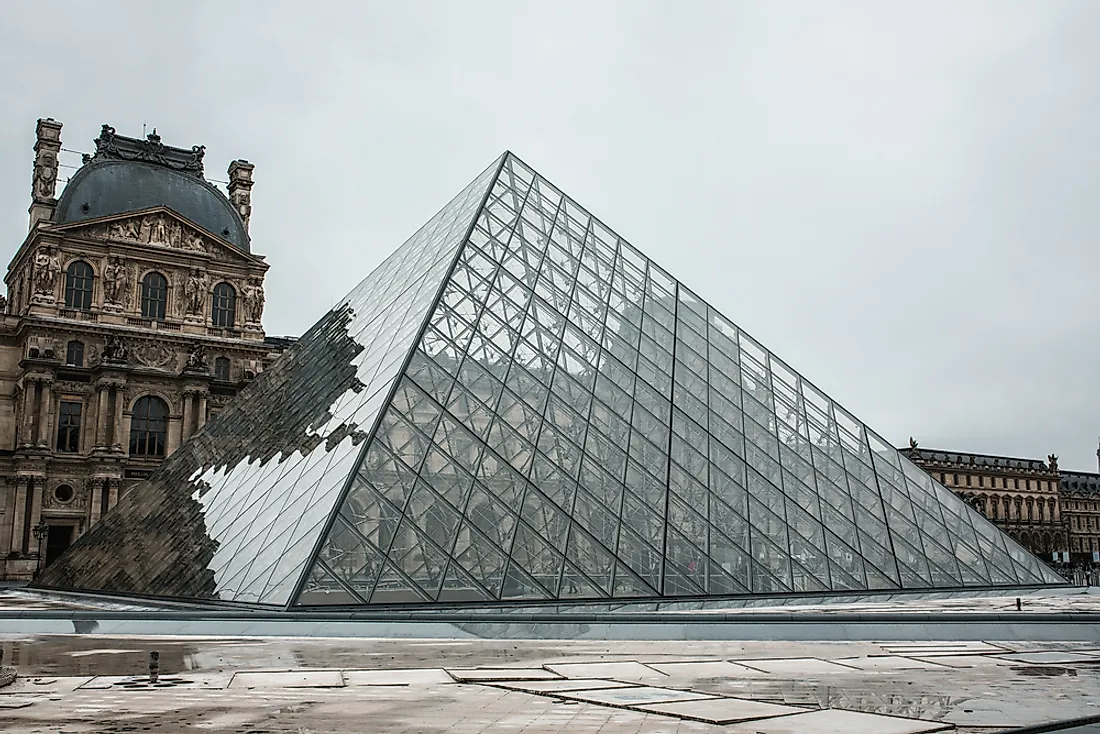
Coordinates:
column 517, row 404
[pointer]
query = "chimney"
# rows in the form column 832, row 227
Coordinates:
column 46, row 150
column 240, row 188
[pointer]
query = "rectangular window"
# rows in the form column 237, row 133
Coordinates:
column 68, row 426
column 968, row 478
column 221, row 369
column 981, row 481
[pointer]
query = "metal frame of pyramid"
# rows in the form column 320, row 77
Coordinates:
column 519, row 407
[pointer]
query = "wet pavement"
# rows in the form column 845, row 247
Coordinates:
column 301, row 684
column 75, row 683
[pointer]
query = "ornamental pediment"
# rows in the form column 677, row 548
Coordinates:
column 158, row 227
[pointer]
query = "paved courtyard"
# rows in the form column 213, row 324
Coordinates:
column 304, row 684
column 271, row 686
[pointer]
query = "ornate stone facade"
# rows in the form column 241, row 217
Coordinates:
column 1081, row 510
column 1020, row 496
column 1043, row 506
column 123, row 332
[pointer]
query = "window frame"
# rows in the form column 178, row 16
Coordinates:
column 79, row 282
column 68, row 431
column 149, row 432
column 69, row 349
column 223, row 306
column 218, row 374
column 152, row 308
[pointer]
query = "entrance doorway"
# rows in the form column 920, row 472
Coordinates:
column 60, row 538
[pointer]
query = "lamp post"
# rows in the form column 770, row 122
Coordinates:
column 40, row 532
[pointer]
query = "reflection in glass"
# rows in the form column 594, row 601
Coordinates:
column 517, row 405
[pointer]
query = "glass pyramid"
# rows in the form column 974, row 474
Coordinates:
column 517, row 405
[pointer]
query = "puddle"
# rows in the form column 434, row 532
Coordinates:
column 74, row 656
column 1044, row 671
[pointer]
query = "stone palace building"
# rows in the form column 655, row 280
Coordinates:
column 133, row 313
column 1047, row 509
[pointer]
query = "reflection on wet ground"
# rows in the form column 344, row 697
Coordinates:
column 974, row 686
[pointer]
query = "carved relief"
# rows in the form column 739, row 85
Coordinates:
column 125, row 229
column 47, row 269
column 163, row 231
column 153, row 229
column 75, row 497
column 194, row 241
column 153, row 354
column 45, row 175
column 196, row 359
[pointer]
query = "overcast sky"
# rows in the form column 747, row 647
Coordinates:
column 899, row 199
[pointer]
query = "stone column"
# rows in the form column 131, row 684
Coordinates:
column 19, row 515
column 38, row 488
column 188, row 413
column 116, row 425
column 95, row 502
column 112, row 492
column 45, row 412
column 101, row 417
column 202, row 412
column 30, row 388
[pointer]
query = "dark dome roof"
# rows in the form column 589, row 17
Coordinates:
column 110, row 184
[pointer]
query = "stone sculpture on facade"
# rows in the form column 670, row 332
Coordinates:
column 115, row 281
column 192, row 240
column 45, row 175
column 115, row 350
column 253, row 296
column 196, row 359
column 158, row 234
column 1053, row 460
column 197, row 286
column 47, row 269
column 125, row 229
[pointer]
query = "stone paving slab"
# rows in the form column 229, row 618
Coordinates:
column 721, row 710
column 491, row 675
column 796, row 666
column 289, row 679
column 971, row 661
column 397, row 677
column 562, row 684
column 624, row 670
column 1052, row 657
column 892, row 662
column 837, row 721
column 708, row 669
column 634, row 696
column 934, row 649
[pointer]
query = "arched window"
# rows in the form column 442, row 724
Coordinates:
column 79, row 277
column 221, row 369
column 74, row 354
column 224, row 308
column 148, row 427
column 154, row 296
